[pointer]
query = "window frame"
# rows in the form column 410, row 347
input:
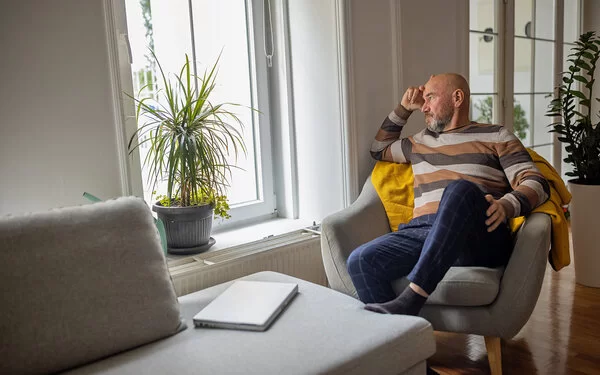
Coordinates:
column 505, row 66
column 264, row 207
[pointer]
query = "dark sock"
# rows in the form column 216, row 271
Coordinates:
column 408, row 302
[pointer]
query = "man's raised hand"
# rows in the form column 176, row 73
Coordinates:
column 413, row 98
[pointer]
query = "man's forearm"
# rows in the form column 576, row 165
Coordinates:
column 531, row 192
column 388, row 133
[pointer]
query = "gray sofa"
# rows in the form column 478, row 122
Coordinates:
column 494, row 303
column 86, row 290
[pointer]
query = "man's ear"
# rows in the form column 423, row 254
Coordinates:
column 458, row 97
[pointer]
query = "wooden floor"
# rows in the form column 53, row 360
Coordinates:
column 561, row 337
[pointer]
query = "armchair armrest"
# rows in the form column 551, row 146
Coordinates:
column 523, row 276
column 343, row 231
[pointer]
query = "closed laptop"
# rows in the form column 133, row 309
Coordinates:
column 248, row 305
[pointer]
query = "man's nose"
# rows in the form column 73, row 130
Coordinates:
column 424, row 108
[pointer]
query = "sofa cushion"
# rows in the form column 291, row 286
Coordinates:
column 463, row 286
column 320, row 332
column 81, row 283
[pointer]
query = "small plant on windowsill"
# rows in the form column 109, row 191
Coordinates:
column 189, row 142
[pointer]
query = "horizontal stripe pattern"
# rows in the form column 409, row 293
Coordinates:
column 469, row 169
column 488, row 155
column 386, row 145
column 447, row 160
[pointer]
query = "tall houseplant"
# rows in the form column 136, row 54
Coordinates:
column 189, row 140
column 581, row 135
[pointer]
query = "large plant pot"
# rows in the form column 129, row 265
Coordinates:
column 585, row 207
column 187, row 228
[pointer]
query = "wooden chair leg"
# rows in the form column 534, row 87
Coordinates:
column 492, row 345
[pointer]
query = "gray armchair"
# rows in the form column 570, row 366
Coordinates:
column 494, row 303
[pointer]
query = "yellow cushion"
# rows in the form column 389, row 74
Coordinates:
column 394, row 185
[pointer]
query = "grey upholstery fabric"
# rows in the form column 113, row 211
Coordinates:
column 463, row 286
column 321, row 332
column 501, row 314
column 344, row 231
column 81, row 283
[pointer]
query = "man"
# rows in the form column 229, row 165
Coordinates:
column 469, row 178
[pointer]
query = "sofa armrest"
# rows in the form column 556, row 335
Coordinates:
column 523, row 276
column 344, row 231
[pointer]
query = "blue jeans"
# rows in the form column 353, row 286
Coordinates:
column 426, row 247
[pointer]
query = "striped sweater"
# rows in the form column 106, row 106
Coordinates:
column 488, row 155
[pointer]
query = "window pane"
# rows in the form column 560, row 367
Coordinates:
column 482, row 63
column 482, row 15
column 523, row 59
column 545, row 152
column 544, row 19
column 172, row 36
column 523, row 18
column 482, row 108
column 522, row 118
column 544, row 66
column 571, row 25
column 155, row 26
column 540, row 120
column 220, row 27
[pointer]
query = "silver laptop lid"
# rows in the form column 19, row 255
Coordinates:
column 247, row 305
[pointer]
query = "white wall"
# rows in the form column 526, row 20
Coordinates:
column 57, row 133
column 396, row 44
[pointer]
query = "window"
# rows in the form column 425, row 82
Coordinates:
column 231, row 30
column 526, row 57
column 483, row 76
column 533, row 78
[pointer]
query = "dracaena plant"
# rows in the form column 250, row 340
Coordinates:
column 189, row 138
column 573, row 105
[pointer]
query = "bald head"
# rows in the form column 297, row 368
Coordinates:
column 450, row 82
column 446, row 99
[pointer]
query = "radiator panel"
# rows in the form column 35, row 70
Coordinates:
column 297, row 254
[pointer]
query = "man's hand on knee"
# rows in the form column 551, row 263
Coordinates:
column 496, row 213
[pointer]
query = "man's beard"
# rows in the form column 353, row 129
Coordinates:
column 437, row 125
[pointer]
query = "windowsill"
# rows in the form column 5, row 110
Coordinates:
column 238, row 236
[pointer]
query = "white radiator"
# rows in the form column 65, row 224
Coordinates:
column 296, row 253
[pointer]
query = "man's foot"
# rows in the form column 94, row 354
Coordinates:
column 408, row 302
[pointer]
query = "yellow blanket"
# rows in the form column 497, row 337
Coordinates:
column 394, row 185
column 559, row 196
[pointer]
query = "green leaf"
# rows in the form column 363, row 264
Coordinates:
column 583, row 65
column 588, row 55
column 580, row 78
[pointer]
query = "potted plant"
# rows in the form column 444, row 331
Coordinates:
column 576, row 128
column 189, row 140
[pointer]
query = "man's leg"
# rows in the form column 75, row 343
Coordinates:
column 374, row 265
column 458, row 236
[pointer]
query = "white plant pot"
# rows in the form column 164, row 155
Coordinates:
column 585, row 207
